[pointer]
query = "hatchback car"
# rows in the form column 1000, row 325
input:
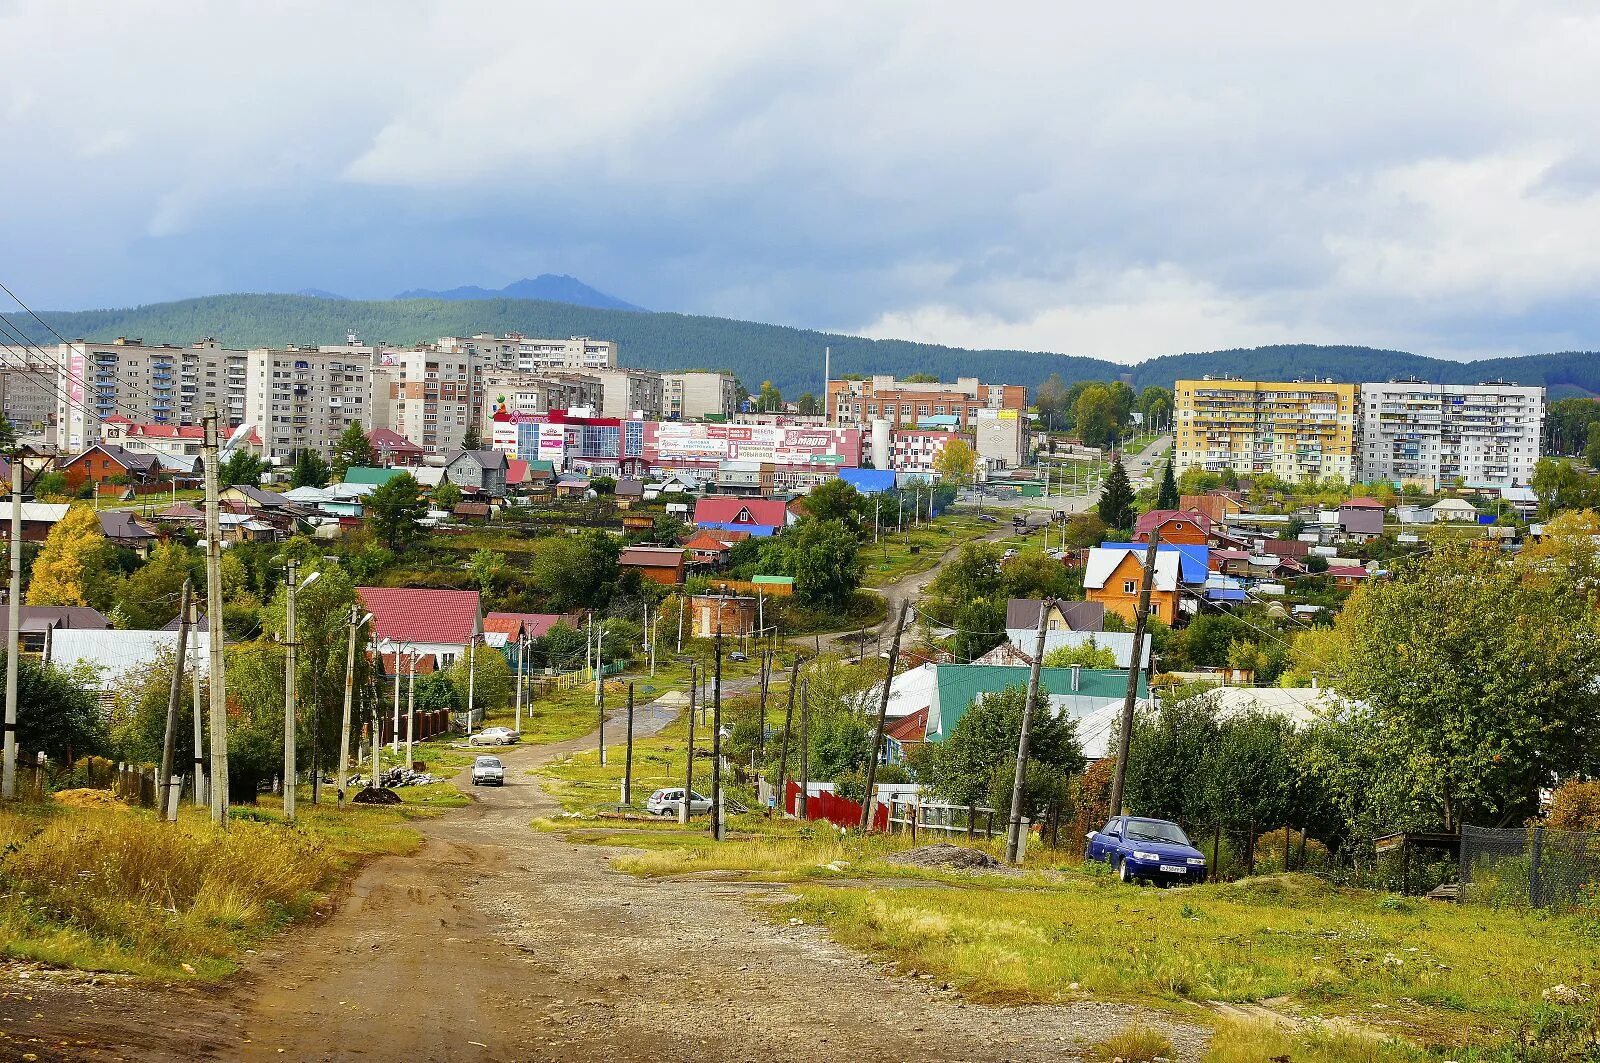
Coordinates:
column 488, row 771
column 494, row 736
column 667, row 802
column 1148, row 850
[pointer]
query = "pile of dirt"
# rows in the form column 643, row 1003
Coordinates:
column 86, row 798
column 946, row 856
column 376, row 795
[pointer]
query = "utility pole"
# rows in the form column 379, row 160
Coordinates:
column 522, row 643
column 598, row 630
column 1018, row 784
column 805, row 748
column 8, row 774
column 1126, row 733
column 349, row 698
column 883, row 713
column 627, row 763
column 411, row 709
column 169, row 809
column 716, row 744
column 289, row 702
column 788, row 723
column 472, row 680
column 688, row 771
column 218, row 689
column 681, row 601
column 199, row 795
column 766, row 683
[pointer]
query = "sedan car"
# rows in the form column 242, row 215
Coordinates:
column 488, row 771
column 1148, row 850
column 494, row 736
column 667, row 802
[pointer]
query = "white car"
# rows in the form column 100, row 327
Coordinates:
column 494, row 736
column 488, row 771
column 668, row 802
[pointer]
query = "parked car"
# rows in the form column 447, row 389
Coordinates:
column 737, row 656
column 488, row 771
column 1150, row 850
column 667, row 802
column 494, row 736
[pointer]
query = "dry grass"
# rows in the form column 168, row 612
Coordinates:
column 1134, row 1044
column 1266, row 1042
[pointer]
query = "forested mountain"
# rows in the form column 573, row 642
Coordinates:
column 550, row 287
column 791, row 358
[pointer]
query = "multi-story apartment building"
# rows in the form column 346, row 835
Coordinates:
column 916, row 449
column 517, row 352
column 1436, row 434
column 160, row 384
column 1297, row 430
column 628, row 392
column 521, row 395
column 28, row 393
column 696, row 395
column 302, row 399
column 425, row 395
column 904, row 403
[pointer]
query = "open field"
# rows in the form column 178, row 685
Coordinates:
column 891, row 558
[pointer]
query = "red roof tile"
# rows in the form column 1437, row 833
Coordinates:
column 913, row 728
column 1361, row 503
column 416, row 614
column 1158, row 517
column 764, row 512
column 533, row 625
column 386, row 439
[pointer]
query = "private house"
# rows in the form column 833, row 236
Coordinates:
column 658, row 564
column 111, row 655
column 710, row 549
column 394, row 449
column 370, row 477
column 734, row 615
column 37, row 624
column 507, row 628
column 1347, row 575
column 440, row 622
column 1177, row 526
column 1361, row 516
column 1023, row 614
column 1455, row 509
column 571, row 485
column 755, row 516
column 905, row 735
column 1069, row 624
column 1217, row 505
column 38, row 518
column 1114, row 575
column 108, row 463
column 480, row 472
column 628, row 492
column 120, row 527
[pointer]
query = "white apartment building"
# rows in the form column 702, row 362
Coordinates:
column 517, row 352
column 158, row 384
column 425, row 395
column 531, row 394
column 28, row 393
column 1435, row 434
column 629, row 392
column 302, row 399
column 694, row 396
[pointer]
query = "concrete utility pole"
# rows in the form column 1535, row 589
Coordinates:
column 8, row 773
column 218, row 689
column 289, row 701
column 472, row 680
column 717, row 825
column 1126, row 732
column 883, row 714
column 411, row 709
column 356, row 623
column 199, row 795
column 805, row 748
column 522, row 643
column 627, row 763
column 688, row 771
column 1014, row 823
column 169, row 741
column 601, row 713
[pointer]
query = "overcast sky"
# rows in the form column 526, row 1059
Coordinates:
column 1060, row 177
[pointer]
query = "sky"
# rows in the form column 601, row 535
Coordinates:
column 1120, row 181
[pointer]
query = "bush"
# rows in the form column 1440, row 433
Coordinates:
column 1269, row 852
column 1575, row 806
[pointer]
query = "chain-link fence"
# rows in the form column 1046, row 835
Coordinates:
column 1530, row 867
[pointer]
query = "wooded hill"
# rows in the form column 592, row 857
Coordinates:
column 790, row 357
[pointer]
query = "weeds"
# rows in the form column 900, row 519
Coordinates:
column 1267, row 1042
column 1135, row 1044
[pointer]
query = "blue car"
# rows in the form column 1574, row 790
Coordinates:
column 1150, row 850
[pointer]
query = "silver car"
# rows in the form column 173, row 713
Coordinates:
column 488, row 771
column 494, row 736
column 668, row 802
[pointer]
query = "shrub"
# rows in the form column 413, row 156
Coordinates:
column 1134, row 1044
column 1575, row 806
column 1269, row 851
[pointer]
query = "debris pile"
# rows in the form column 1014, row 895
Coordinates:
column 373, row 795
column 945, row 855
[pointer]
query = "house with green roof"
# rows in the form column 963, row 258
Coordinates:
column 366, row 474
column 1091, row 696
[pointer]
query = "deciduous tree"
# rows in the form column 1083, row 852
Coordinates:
column 72, row 568
column 394, row 508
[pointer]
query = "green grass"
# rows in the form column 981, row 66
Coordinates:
column 1133, row 1044
column 891, row 558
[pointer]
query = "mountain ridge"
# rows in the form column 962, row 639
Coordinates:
column 546, row 287
column 790, row 357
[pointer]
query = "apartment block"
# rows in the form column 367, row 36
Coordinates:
column 28, row 393
column 1296, row 430
column 425, row 395
column 159, row 384
column 904, row 403
column 1436, row 434
column 916, row 450
column 518, row 353
column 694, row 396
column 629, row 392
column 302, row 399
column 522, row 395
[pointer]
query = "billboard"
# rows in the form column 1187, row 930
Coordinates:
column 777, row 444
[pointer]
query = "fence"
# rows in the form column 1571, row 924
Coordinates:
column 937, row 818
column 430, row 722
column 840, row 811
column 1536, row 867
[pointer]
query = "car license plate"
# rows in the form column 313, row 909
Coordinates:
column 1176, row 869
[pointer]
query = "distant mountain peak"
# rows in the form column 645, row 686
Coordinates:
column 320, row 293
column 549, row 287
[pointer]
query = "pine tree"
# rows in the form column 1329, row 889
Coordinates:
column 352, row 449
column 309, row 469
column 1168, row 496
column 473, row 440
column 1116, row 498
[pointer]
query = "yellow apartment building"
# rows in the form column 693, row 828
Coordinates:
column 1298, row 430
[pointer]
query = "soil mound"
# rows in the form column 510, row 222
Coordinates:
column 374, row 795
column 944, row 855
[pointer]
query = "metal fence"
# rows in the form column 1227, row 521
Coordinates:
column 1535, row 867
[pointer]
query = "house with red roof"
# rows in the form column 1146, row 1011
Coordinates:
column 510, row 627
column 393, row 449
column 1176, row 526
column 658, row 564
column 165, row 440
column 709, row 549
column 757, row 516
column 424, row 620
column 1347, row 575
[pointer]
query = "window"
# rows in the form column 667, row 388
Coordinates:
column 1128, row 586
column 1155, row 608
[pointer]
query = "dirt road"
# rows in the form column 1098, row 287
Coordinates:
column 497, row 942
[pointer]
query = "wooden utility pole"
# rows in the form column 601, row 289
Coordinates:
column 766, row 681
column 883, row 715
column 343, row 765
column 627, row 762
column 169, row 742
column 688, row 770
column 716, row 744
column 8, row 773
column 219, row 700
column 600, row 702
column 788, row 722
column 290, row 660
column 1126, row 732
column 1019, row 783
column 805, row 749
